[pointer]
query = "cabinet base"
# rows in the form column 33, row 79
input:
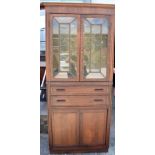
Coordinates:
column 85, row 149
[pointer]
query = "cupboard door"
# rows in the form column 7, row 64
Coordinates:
column 64, row 47
column 93, row 125
column 95, row 47
column 65, row 128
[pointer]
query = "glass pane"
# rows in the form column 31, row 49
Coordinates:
column 55, row 42
column 55, row 63
column 64, row 62
column 73, row 28
column 95, row 20
column 55, row 50
column 64, row 29
column 73, row 38
column 55, row 29
column 95, row 47
column 86, row 27
column 73, row 43
column 64, row 19
column 87, row 43
column 97, row 42
column 96, row 29
column 64, row 40
column 105, row 26
column 64, row 47
column 73, row 61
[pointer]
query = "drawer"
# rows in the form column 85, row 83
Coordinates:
column 79, row 90
column 78, row 100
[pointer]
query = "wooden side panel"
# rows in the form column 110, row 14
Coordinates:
column 65, row 128
column 93, row 127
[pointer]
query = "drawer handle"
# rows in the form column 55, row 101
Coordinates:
column 98, row 89
column 98, row 100
column 60, row 89
column 61, row 100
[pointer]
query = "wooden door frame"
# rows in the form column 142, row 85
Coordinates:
column 49, row 51
column 110, row 49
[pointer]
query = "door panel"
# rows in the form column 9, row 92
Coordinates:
column 95, row 43
column 93, row 127
column 64, row 41
column 65, row 128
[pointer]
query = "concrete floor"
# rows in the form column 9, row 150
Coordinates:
column 44, row 140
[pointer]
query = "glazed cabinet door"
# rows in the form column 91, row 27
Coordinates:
column 95, row 47
column 65, row 128
column 63, row 46
column 93, row 124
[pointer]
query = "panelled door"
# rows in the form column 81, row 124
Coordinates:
column 65, row 127
column 95, row 40
column 64, row 44
column 93, row 124
column 74, row 128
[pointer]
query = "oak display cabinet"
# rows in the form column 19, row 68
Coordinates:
column 79, row 58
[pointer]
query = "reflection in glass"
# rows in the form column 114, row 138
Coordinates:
column 73, row 28
column 95, row 47
column 55, row 29
column 55, row 42
column 64, row 47
column 64, row 19
column 55, row 49
column 64, row 40
column 55, row 63
column 64, row 29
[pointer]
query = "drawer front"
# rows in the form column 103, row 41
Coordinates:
column 78, row 100
column 79, row 90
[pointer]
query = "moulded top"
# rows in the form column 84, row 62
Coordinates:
column 48, row 4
